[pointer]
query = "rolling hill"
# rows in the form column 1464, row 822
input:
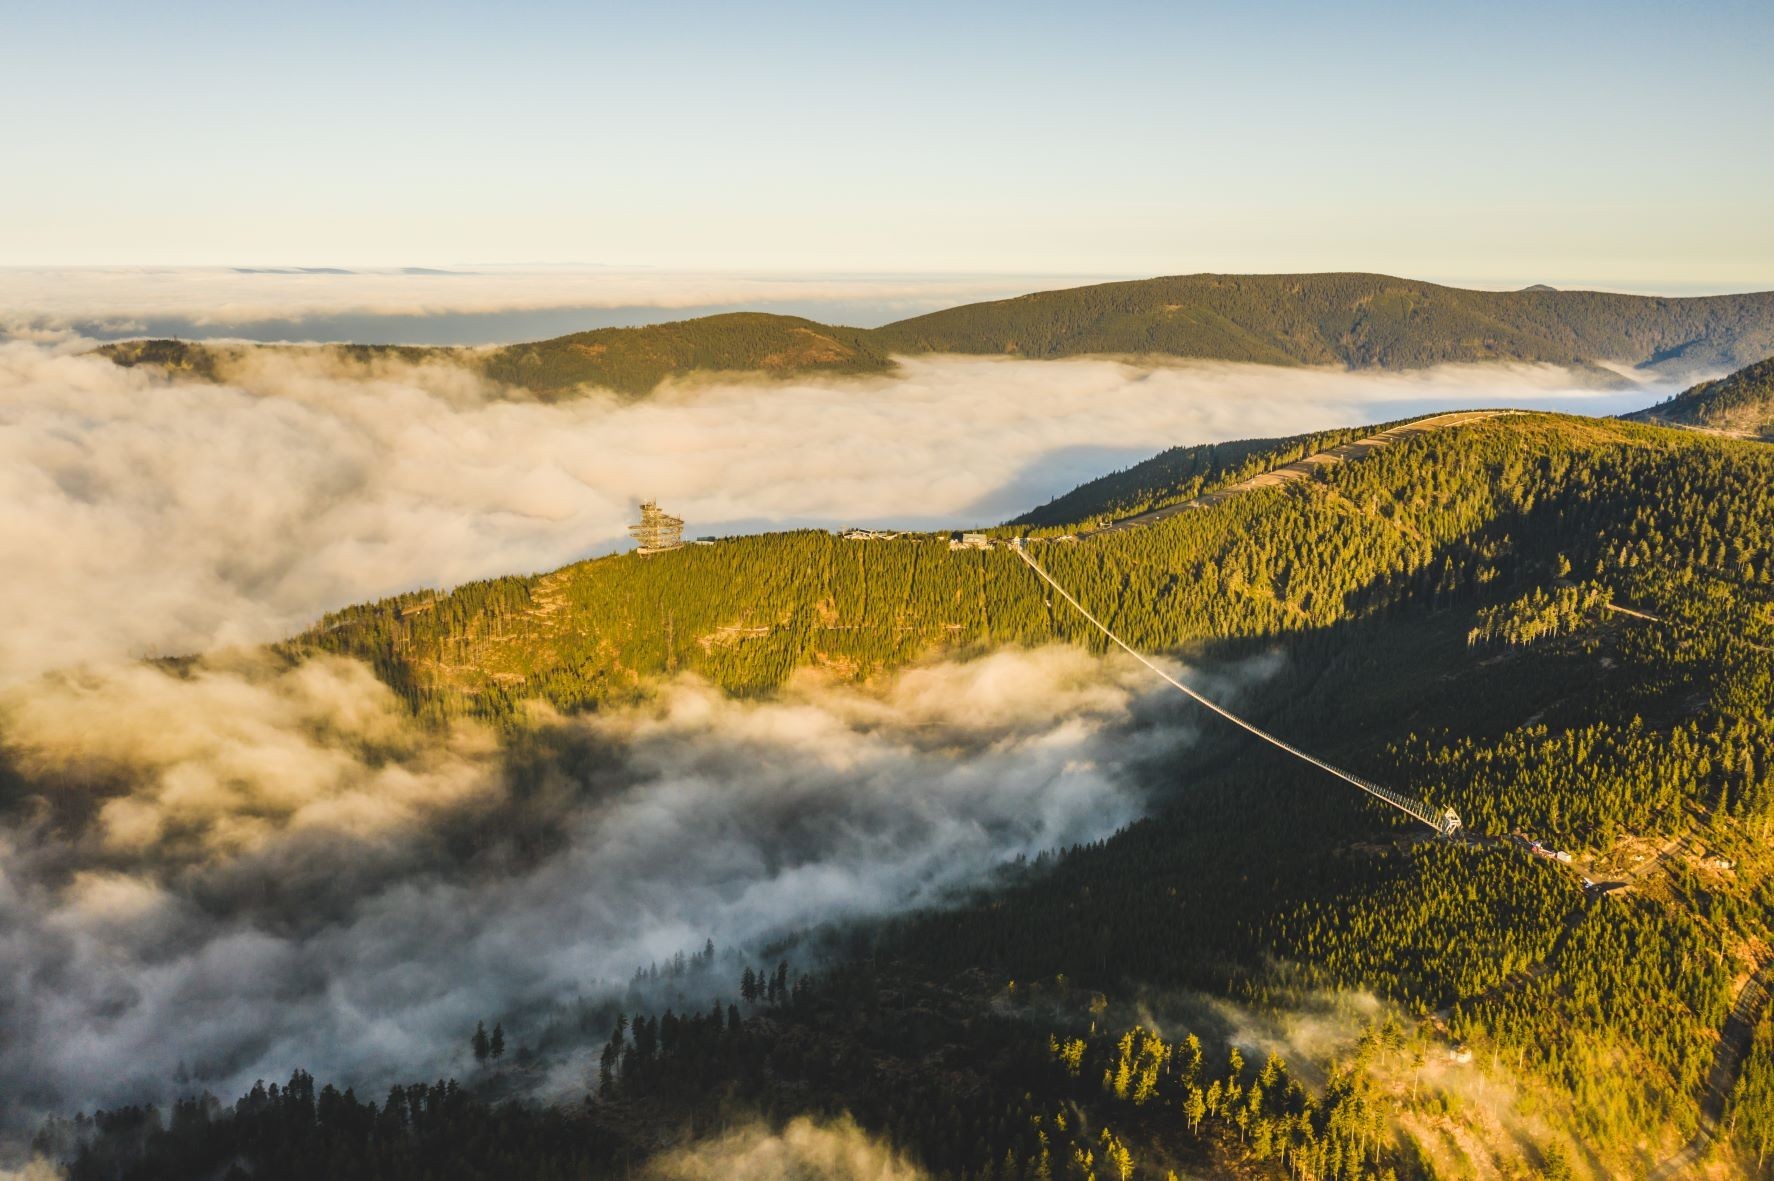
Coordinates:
column 635, row 360
column 1354, row 320
column 1350, row 320
column 1741, row 403
column 628, row 361
column 1439, row 613
column 747, row 611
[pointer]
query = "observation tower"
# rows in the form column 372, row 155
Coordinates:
column 658, row 530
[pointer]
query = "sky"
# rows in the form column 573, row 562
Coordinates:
column 1618, row 144
column 276, row 876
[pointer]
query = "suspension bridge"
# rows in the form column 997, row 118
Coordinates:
column 1444, row 821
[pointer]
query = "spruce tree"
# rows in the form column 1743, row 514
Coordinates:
column 479, row 1041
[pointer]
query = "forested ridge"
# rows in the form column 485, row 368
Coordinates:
column 626, row 361
column 1741, row 402
column 635, row 360
column 1466, row 514
column 1174, row 476
column 1438, row 613
column 1354, row 321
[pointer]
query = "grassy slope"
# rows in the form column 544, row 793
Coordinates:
column 1742, row 402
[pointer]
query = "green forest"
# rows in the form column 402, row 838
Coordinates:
column 1356, row 320
column 1741, row 402
column 635, row 360
column 626, row 361
column 1561, row 627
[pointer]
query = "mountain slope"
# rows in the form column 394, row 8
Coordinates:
column 635, row 360
column 1437, row 613
column 1352, row 320
column 1433, row 615
column 1174, row 476
column 630, row 361
column 1741, row 403
column 1356, row 320
column 747, row 611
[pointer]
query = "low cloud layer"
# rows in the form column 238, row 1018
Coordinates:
column 457, row 305
column 243, row 869
column 147, row 517
column 805, row 1150
column 232, row 868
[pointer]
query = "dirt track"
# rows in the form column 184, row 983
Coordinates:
column 1300, row 469
column 1615, row 607
column 1727, row 1064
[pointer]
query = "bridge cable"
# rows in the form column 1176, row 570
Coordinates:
column 1444, row 822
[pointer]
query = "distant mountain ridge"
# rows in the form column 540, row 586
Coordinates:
column 631, row 361
column 1356, row 321
column 636, row 360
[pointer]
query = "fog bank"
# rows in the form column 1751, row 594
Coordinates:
column 805, row 1150
column 226, row 869
column 455, row 305
column 150, row 517
column 245, row 868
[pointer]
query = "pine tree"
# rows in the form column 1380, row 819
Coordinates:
column 479, row 1041
column 1194, row 1108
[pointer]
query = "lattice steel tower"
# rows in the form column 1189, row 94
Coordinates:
column 658, row 531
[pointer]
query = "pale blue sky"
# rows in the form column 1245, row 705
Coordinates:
column 1621, row 143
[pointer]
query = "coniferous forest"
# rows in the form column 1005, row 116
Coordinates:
column 1361, row 321
column 1562, row 628
column 851, row 592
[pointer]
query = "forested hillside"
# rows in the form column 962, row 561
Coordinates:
column 1741, row 403
column 1350, row 320
column 630, row 361
column 1173, row 476
column 635, row 360
column 1354, row 320
column 1423, row 518
column 1439, row 617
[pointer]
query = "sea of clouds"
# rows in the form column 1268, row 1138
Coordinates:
column 250, row 868
column 237, row 868
column 148, row 517
column 466, row 305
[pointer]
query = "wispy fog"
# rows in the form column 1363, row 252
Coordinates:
column 147, row 517
column 805, row 1150
column 454, row 305
column 240, row 870
column 236, row 868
